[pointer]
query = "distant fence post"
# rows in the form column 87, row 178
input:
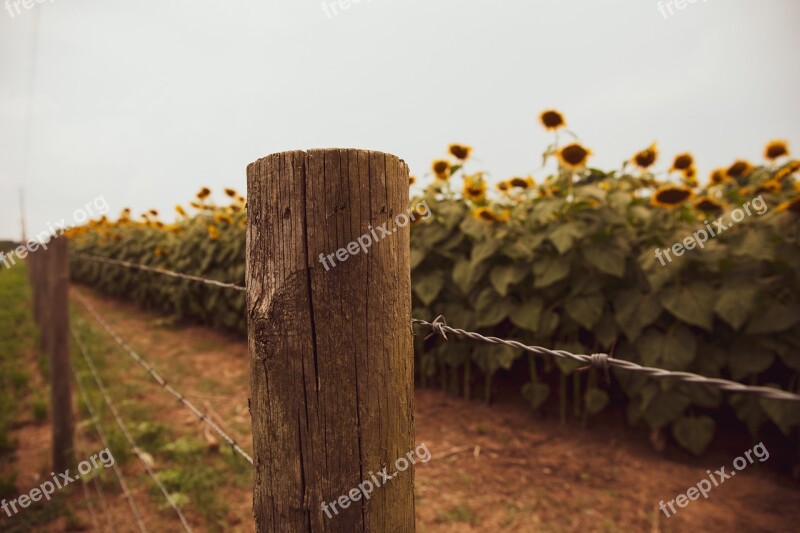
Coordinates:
column 55, row 309
column 330, row 343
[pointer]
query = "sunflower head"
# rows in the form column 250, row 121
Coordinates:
column 682, row 162
column 671, row 196
column 739, row 169
column 522, row 183
column 787, row 170
column 792, row 206
column 474, row 188
column 503, row 186
column 460, row 151
column 707, row 205
column 552, row 119
column 180, row 210
column 489, row 215
column 203, row 193
column 574, row 156
column 412, row 180
column 213, row 232
column 718, row 176
column 153, row 212
column 771, row 185
column 775, row 149
column 441, row 168
column 647, row 157
column 230, row 192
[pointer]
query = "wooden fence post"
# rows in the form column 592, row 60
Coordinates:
column 56, row 327
column 330, row 343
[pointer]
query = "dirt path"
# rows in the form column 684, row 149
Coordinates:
column 496, row 468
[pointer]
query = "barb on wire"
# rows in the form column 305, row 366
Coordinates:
column 603, row 361
column 96, row 421
column 204, row 418
column 124, row 429
column 163, row 271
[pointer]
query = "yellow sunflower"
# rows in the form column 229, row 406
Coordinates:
column 196, row 205
column 153, row 212
column 739, row 168
column 574, row 156
column 180, row 210
column 503, row 186
column 441, row 169
column 487, row 214
column 230, row 192
column 787, row 170
column 776, row 149
column 474, row 188
column 552, row 119
column 682, row 162
column 646, row 157
column 204, row 193
column 221, row 217
column 792, row 205
column 771, row 185
column 671, row 196
column 213, row 232
column 460, row 151
column 718, row 176
column 707, row 204
column 412, row 180
column 522, row 183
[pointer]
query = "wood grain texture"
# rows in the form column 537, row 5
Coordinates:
column 331, row 356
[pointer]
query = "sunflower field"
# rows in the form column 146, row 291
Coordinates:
column 568, row 262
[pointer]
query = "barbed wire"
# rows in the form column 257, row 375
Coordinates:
column 161, row 381
column 162, row 271
column 89, row 505
column 603, row 361
column 124, row 429
column 97, row 487
column 104, row 440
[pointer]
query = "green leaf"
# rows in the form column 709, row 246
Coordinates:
column 484, row 250
column 550, row 269
column 523, row 247
column 634, row 311
column 450, row 213
column 536, row 393
column 527, row 315
column 664, row 407
column 746, row 359
column 775, row 318
column 548, row 323
column 418, row 255
column 427, row 285
column 671, row 352
column 565, row 235
column 748, row 410
column 596, row 400
column 735, row 304
column 491, row 308
column 586, row 310
column 606, row 259
column 503, row 276
column 466, row 276
column 693, row 303
column 694, row 434
column 785, row 415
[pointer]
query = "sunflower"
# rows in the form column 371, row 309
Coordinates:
column 552, row 119
column 605, row 185
column 181, row 211
column 212, row 232
column 771, row 185
column 522, row 183
column 503, row 186
column 682, row 162
column 574, row 156
column 485, row 213
column 230, row 192
column 158, row 224
column 196, row 205
column 412, row 180
column 474, row 188
column 792, row 205
column 460, row 151
column 718, row 176
column 204, row 193
column 787, row 170
column 545, row 192
column 441, row 168
column 646, row 157
column 671, row 196
column 153, row 212
column 739, row 168
column 221, row 217
column 707, row 204
column 776, row 149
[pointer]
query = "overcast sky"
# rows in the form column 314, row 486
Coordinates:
column 143, row 103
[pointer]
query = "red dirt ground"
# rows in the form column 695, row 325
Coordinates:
column 494, row 468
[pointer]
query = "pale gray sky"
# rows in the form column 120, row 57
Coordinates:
column 145, row 102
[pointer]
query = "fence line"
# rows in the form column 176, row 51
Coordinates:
column 161, row 381
column 603, row 361
column 89, row 505
column 134, row 446
column 111, row 525
column 104, row 440
column 162, row 271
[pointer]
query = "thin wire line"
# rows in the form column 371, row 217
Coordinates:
column 97, row 487
column 440, row 328
column 104, row 440
column 161, row 381
column 89, row 503
column 163, row 271
column 136, row 449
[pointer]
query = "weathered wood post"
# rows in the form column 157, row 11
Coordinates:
column 56, row 330
column 330, row 342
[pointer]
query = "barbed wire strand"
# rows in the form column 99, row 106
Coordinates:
column 204, row 418
column 163, row 271
column 603, row 361
column 111, row 525
column 89, row 505
column 124, row 429
column 104, row 440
